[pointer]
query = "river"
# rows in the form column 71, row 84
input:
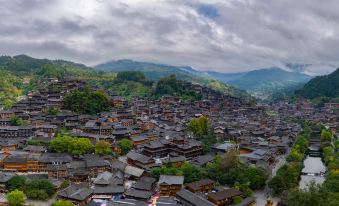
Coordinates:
column 312, row 166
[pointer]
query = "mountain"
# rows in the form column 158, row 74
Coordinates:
column 270, row 81
column 321, row 86
column 24, row 63
column 225, row 77
column 151, row 70
column 22, row 74
column 264, row 83
column 155, row 72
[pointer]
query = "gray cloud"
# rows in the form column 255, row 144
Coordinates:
column 229, row 36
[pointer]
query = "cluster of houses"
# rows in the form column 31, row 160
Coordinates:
column 158, row 131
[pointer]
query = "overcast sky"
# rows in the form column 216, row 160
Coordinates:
column 220, row 35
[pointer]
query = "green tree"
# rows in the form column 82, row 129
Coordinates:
column 15, row 121
column 311, row 196
column 171, row 86
column 199, row 127
column 103, row 148
column 61, row 144
column 81, row 146
column 40, row 189
column 295, row 156
column 244, row 187
column 62, row 203
column 326, row 136
column 208, row 140
column 134, row 76
column 15, row 198
column 192, row 173
column 237, row 199
column 230, row 160
column 52, row 111
column 16, row 182
column 65, row 184
column 72, row 145
column 125, row 145
column 87, row 102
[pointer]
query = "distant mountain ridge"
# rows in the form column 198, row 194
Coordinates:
column 321, row 86
column 261, row 82
column 151, row 70
column 155, row 72
column 24, row 63
column 270, row 81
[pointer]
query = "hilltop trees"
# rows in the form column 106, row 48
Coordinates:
column 75, row 146
column 87, row 102
column 135, row 76
column 171, row 86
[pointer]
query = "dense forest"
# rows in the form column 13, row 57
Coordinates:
column 171, row 86
column 321, row 86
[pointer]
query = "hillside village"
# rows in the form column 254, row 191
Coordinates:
column 169, row 103
column 160, row 137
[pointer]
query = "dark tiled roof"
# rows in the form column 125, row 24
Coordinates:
column 76, row 192
column 4, row 177
column 196, row 185
column 138, row 194
column 143, row 185
column 193, row 199
column 16, row 159
column 225, row 194
column 171, row 180
column 110, row 189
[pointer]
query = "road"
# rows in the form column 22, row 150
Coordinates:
column 263, row 195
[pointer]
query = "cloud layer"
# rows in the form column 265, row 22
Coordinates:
column 221, row 35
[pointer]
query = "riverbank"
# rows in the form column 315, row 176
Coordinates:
column 288, row 176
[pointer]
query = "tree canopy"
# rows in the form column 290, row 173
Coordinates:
column 125, row 145
column 40, row 189
column 171, row 86
column 37, row 189
column 72, row 145
column 199, row 126
column 15, row 198
column 103, row 148
column 87, row 102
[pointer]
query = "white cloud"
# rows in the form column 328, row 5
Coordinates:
column 222, row 35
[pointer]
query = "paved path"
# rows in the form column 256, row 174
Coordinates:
column 263, row 195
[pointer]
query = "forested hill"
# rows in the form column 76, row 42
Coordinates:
column 20, row 74
column 321, row 86
column 24, row 63
column 152, row 71
column 155, row 72
column 267, row 82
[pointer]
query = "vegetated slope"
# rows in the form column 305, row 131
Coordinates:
column 157, row 71
column 321, row 86
column 270, row 81
column 23, row 73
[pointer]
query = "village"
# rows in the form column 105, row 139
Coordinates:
column 158, row 131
